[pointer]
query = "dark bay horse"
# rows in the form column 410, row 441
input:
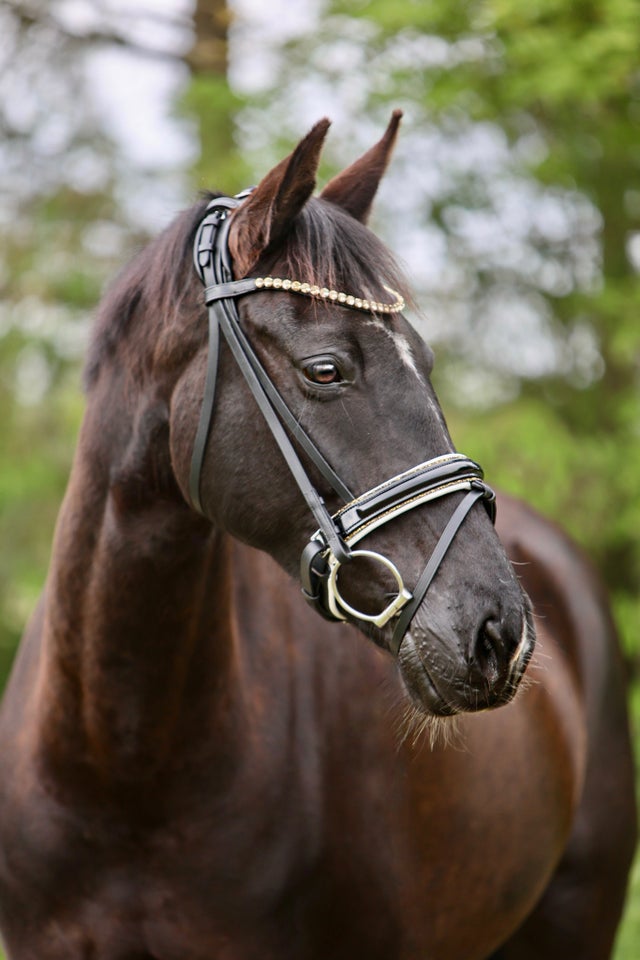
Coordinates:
column 196, row 765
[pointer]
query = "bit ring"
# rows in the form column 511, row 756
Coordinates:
column 339, row 606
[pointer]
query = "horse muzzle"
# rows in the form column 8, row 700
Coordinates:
column 450, row 668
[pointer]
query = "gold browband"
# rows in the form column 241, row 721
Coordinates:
column 323, row 293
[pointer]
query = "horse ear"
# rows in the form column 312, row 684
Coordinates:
column 355, row 188
column 265, row 216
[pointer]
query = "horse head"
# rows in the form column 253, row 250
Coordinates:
column 310, row 304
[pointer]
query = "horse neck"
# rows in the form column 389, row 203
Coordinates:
column 138, row 636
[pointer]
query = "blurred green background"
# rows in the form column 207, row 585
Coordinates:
column 513, row 200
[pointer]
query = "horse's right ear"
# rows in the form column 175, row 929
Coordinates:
column 355, row 188
column 264, row 218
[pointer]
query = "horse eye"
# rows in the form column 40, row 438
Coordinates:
column 322, row 371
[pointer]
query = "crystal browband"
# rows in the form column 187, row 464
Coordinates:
column 335, row 296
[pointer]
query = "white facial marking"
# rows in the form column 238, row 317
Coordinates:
column 402, row 346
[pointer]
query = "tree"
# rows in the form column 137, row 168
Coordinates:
column 210, row 101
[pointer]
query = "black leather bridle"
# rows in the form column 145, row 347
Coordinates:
column 332, row 544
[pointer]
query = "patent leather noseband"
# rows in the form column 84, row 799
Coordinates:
column 332, row 545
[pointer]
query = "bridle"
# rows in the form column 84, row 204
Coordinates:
column 332, row 544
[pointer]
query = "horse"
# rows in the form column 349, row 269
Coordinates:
column 199, row 759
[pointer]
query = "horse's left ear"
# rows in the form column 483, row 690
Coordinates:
column 265, row 216
column 355, row 188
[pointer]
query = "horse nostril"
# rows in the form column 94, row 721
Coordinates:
column 490, row 653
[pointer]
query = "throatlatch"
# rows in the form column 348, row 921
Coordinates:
column 331, row 546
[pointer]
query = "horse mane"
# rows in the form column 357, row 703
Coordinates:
column 325, row 246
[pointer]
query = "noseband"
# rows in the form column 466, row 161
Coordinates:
column 331, row 546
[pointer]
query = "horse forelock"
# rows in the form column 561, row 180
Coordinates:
column 329, row 248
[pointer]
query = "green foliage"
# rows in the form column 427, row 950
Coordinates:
column 584, row 105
